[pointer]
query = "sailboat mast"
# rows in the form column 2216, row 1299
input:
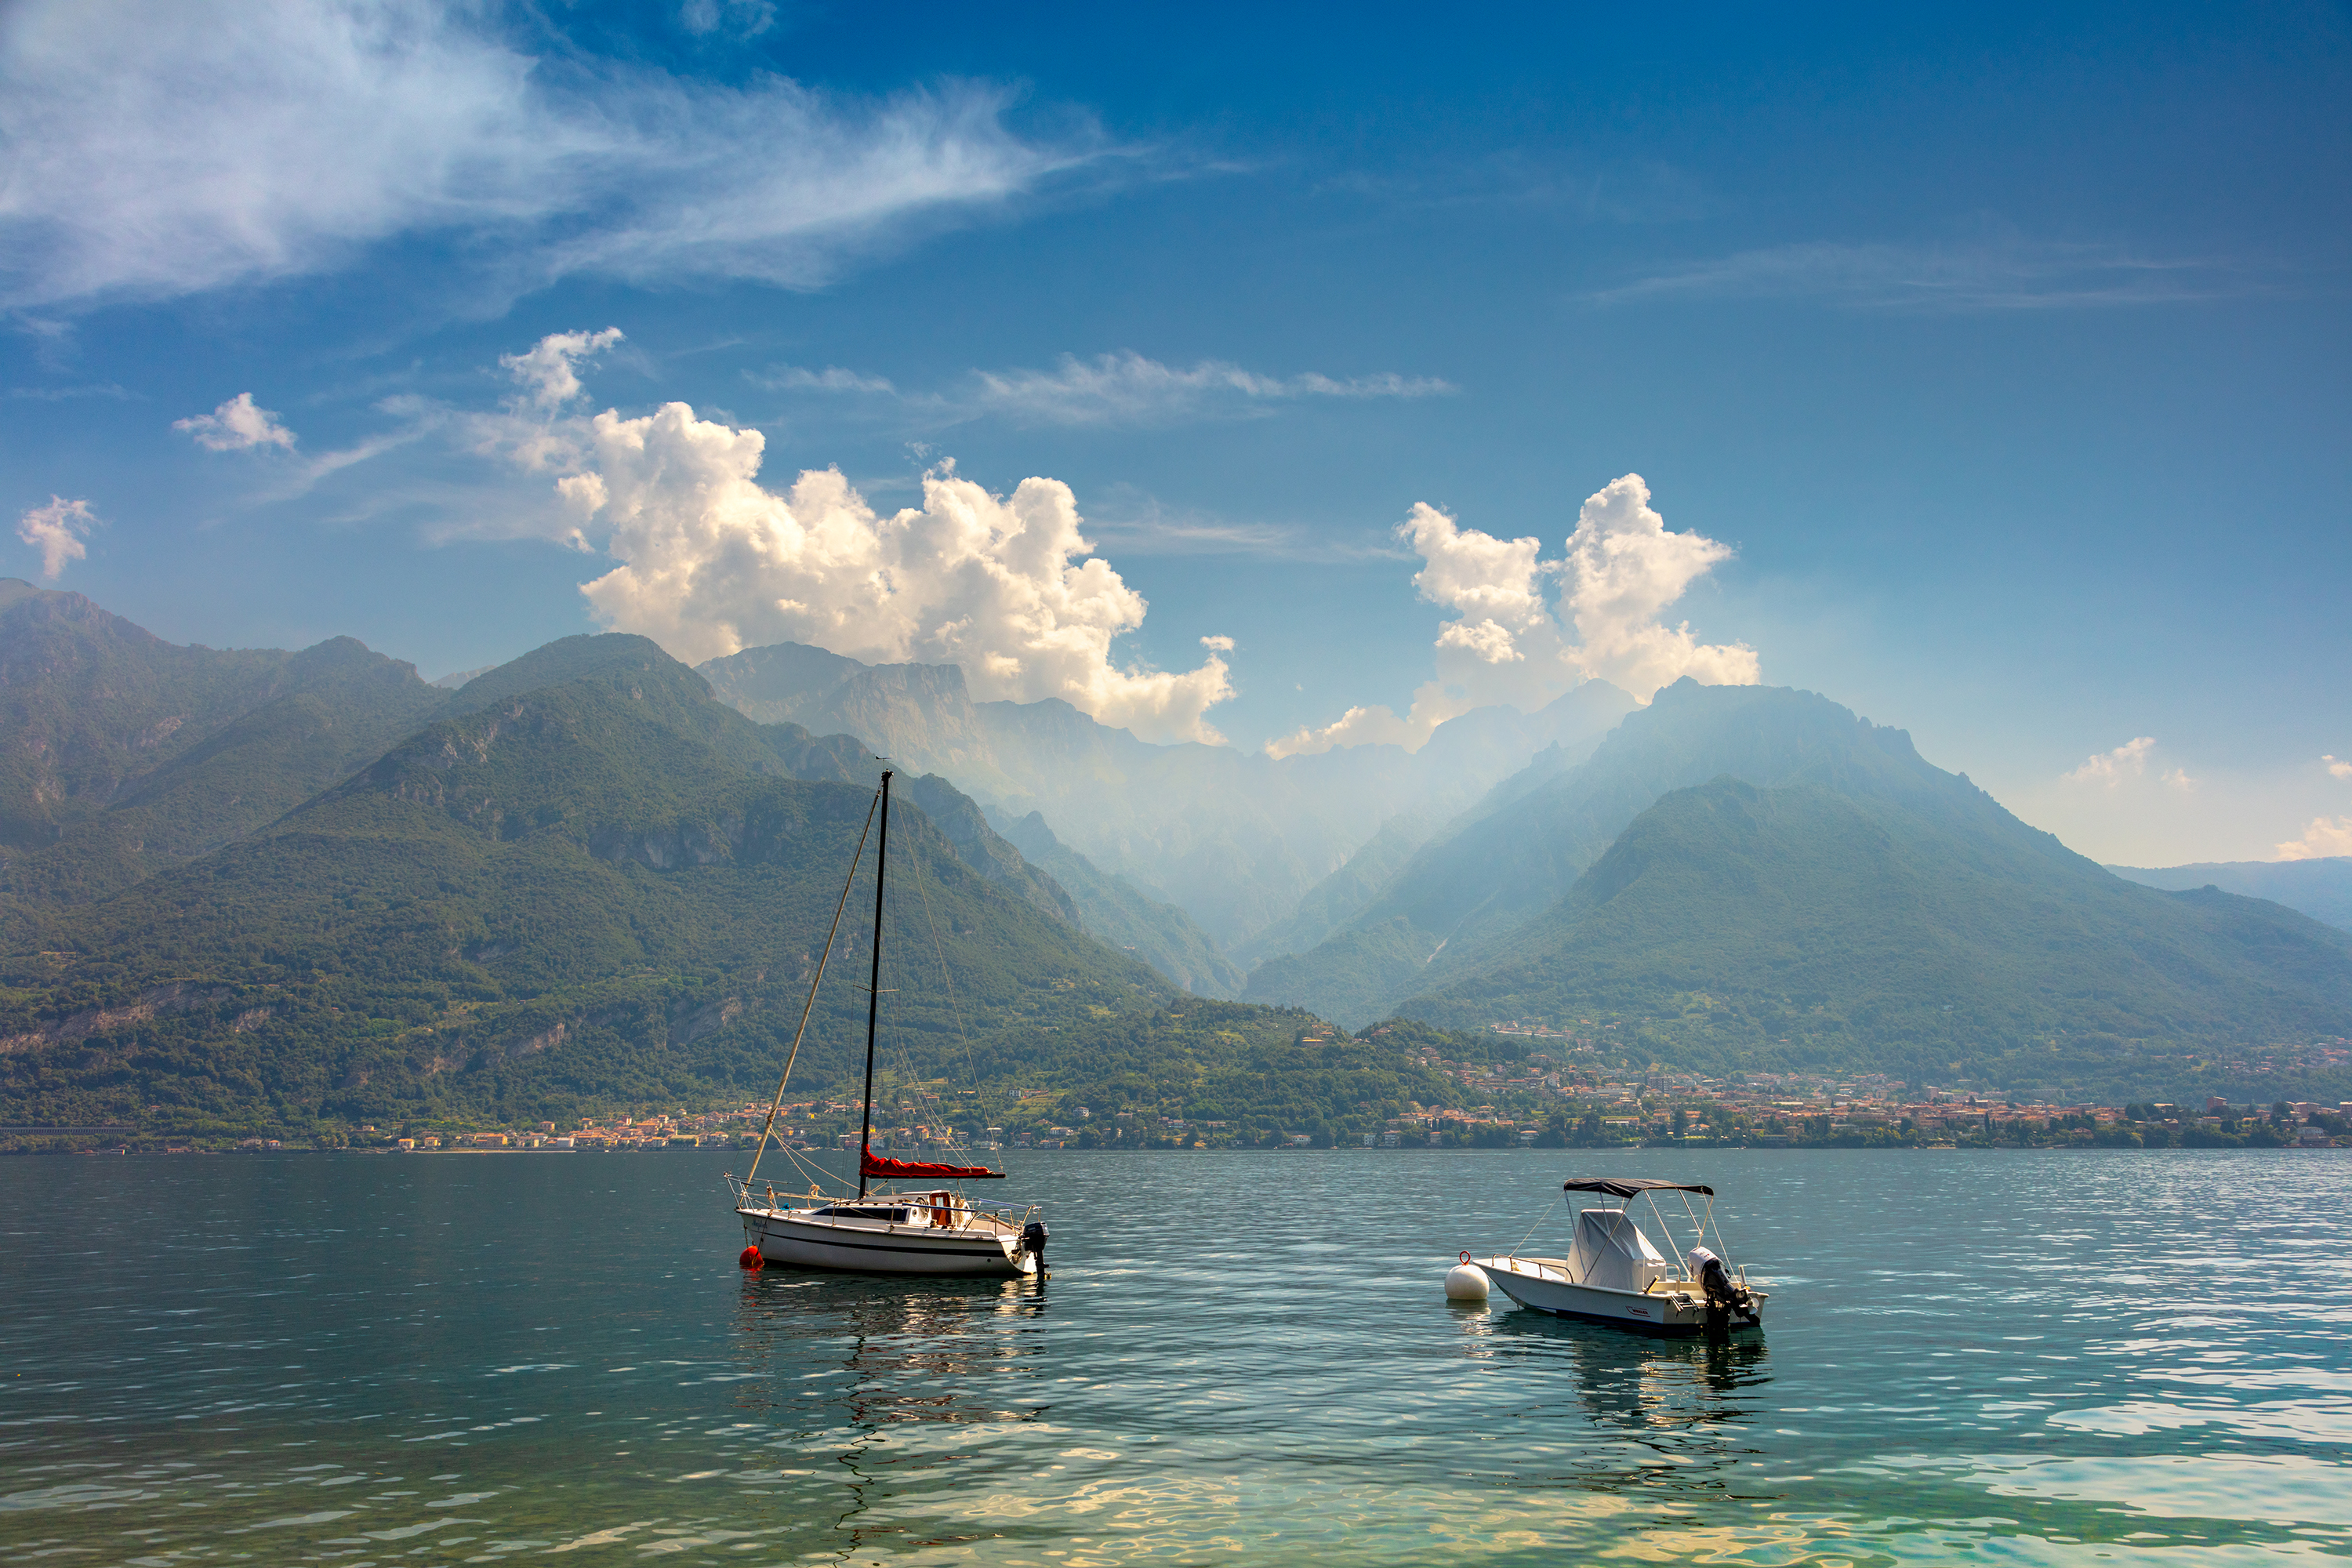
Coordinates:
column 874, row 991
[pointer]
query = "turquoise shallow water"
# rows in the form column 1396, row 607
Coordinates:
column 2014, row 1358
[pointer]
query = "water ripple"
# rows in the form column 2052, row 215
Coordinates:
column 1239, row 1357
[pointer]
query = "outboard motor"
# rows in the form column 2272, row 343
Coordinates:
column 1033, row 1241
column 1728, row 1303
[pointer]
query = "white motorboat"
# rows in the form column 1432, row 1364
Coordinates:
column 936, row 1232
column 1613, row 1274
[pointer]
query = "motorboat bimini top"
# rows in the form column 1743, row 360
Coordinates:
column 1613, row 1273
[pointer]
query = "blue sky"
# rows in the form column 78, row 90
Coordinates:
column 2005, row 354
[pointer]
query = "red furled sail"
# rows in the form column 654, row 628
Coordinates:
column 875, row 1164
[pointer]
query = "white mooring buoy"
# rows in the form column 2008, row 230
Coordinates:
column 1465, row 1281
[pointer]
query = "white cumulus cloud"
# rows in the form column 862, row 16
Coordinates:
column 156, row 150
column 2327, row 836
column 236, row 425
column 2111, row 768
column 2337, row 767
column 2125, row 764
column 2128, row 761
column 1622, row 569
column 713, row 562
column 56, row 531
column 548, row 370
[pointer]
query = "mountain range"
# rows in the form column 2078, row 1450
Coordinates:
column 575, row 881
column 1233, row 838
column 311, row 885
column 2321, row 889
column 1759, row 876
column 580, row 850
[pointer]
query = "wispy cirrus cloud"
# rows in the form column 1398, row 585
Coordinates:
column 154, row 152
column 2009, row 274
column 1629, row 191
column 111, row 391
column 831, row 378
column 1133, row 523
column 1124, row 388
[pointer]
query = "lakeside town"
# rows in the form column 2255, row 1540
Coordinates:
column 1544, row 1099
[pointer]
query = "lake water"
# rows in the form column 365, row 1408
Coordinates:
column 1240, row 1358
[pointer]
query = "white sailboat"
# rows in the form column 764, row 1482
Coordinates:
column 936, row 1230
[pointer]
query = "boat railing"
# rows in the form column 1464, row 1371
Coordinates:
column 768, row 1195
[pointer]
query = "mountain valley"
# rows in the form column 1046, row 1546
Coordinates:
column 262, row 889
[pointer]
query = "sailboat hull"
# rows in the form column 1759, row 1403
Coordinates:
column 793, row 1240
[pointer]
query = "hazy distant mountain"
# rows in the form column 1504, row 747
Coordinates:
column 128, row 754
column 2320, row 889
column 1234, row 838
column 919, row 714
column 1117, row 914
column 1892, row 916
column 1520, row 849
column 1757, row 870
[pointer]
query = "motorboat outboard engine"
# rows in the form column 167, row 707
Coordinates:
column 1033, row 1241
column 1729, row 1304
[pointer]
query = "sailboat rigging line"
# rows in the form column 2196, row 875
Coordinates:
column 874, row 991
column 806, row 1008
column 955, row 1007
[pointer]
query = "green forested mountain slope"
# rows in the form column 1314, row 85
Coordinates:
column 1118, row 914
column 1517, row 853
column 2321, row 889
column 638, row 667
column 1917, row 931
column 1199, row 1060
column 589, row 891
column 124, row 754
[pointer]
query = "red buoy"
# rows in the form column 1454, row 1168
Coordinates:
column 751, row 1258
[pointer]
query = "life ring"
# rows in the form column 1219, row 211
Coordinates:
column 1465, row 1258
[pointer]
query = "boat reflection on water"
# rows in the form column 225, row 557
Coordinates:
column 869, row 1376
column 878, row 1352
column 1658, row 1414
